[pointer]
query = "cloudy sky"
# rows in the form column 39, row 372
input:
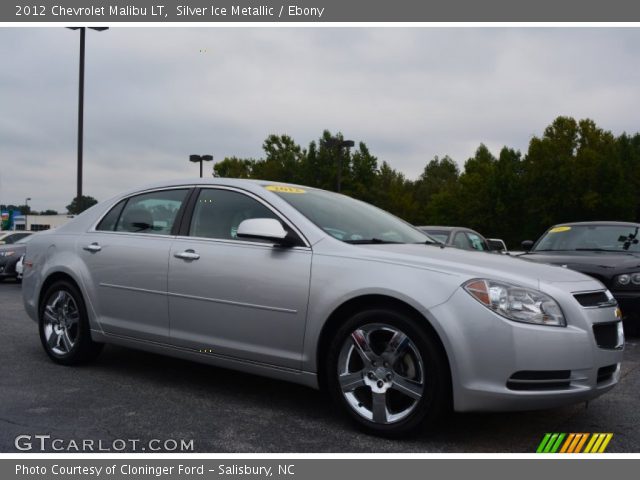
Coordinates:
column 155, row 95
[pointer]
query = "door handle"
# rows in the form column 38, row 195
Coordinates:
column 94, row 247
column 187, row 255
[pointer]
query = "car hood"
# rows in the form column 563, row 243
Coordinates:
column 605, row 260
column 467, row 264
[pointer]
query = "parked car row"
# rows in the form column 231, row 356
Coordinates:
column 11, row 255
column 320, row 289
column 9, row 237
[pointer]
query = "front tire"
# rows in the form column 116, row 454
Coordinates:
column 387, row 373
column 64, row 326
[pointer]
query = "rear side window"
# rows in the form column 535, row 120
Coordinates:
column 108, row 222
column 153, row 212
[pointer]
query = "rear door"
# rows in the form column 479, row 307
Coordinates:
column 126, row 258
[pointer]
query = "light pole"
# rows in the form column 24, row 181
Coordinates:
column 81, row 105
column 340, row 143
column 26, row 210
column 200, row 158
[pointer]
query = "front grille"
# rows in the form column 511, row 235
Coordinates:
column 606, row 373
column 593, row 299
column 539, row 380
column 606, row 335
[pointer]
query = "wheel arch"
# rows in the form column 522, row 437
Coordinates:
column 52, row 278
column 364, row 302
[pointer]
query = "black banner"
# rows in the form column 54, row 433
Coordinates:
column 110, row 11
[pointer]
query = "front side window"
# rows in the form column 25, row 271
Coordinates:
column 218, row 213
column 153, row 212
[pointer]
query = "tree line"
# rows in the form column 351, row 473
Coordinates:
column 74, row 208
column 574, row 171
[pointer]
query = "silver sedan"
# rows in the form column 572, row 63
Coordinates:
column 320, row 289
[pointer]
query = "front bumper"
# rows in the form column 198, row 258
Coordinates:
column 8, row 267
column 490, row 355
column 629, row 303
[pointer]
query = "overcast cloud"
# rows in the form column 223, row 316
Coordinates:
column 155, row 95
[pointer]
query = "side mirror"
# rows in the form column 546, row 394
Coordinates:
column 526, row 245
column 268, row 229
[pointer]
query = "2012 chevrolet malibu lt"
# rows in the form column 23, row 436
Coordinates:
column 320, row 289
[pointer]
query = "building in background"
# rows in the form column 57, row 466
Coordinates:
column 36, row 223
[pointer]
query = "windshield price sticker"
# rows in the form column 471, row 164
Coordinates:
column 283, row 189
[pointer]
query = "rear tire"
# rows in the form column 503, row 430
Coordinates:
column 387, row 373
column 64, row 326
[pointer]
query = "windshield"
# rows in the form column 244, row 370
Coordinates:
column 347, row 219
column 25, row 239
column 440, row 235
column 614, row 238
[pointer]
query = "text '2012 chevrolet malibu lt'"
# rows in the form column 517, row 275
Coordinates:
column 320, row 289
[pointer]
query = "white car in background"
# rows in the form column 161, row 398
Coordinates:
column 20, row 268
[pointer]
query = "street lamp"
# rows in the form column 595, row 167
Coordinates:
column 81, row 104
column 340, row 143
column 200, row 158
column 26, row 210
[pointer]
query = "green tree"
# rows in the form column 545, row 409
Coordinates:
column 234, row 167
column 478, row 191
column 628, row 152
column 76, row 207
column 435, row 192
column 283, row 160
column 362, row 174
column 509, row 203
column 394, row 193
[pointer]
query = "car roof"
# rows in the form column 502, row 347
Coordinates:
column 436, row 227
column 446, row 228
column 239, row 182
column 246, row 184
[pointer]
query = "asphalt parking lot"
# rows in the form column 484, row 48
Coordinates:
column 128, row 394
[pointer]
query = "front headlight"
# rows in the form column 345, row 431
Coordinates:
column 627, row 278
column 516, row 303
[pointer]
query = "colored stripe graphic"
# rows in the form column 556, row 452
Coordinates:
column 574, row 443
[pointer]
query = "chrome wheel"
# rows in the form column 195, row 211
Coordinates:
column 61, row 323
column 381, row 373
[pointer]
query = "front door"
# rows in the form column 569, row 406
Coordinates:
column 232, row 297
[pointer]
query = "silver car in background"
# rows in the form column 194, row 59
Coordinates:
column 320, row 289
